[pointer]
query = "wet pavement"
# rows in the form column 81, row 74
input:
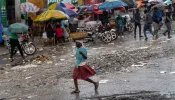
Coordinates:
column 127, row 69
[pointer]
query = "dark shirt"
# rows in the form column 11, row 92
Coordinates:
column 168, row 14
column 137, row 18
column 30, row 23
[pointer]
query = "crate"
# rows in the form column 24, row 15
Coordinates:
column 78, row 35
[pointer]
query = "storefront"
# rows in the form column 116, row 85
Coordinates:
column 10, row 11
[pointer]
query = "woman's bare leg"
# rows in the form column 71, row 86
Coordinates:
column 96, row 84
column 76, row 87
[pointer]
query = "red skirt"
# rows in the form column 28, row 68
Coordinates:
column 83, row 72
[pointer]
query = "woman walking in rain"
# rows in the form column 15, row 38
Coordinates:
column 82, row 70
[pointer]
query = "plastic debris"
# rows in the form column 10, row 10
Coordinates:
column 163, row 72
column 62, row 59
column 49, row 62
column 103, row 81
column 28, row 77
column 172, row 73
column 29, row 97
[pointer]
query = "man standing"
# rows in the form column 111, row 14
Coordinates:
column 168, row 23
column 157, row 21
column 137, row 22
column 148, row 24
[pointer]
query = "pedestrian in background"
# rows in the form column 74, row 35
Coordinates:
column 157, row 21
column 168, row 23
column 82, row 70
column 120, row 25
column 148, row 24
column 137, row 19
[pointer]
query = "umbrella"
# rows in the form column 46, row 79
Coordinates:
column 168, row 2
column 55, row 14
column 110, row 5
column 41, row 11
column 18, row 28
column 160, row 6
column 130, row 3
column 67, row 11
column 123, row 3
column 66, row 5
column 156, row 1
column 28, row 7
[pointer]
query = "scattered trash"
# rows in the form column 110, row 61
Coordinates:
column 140, row 65
column 41, row 49
column 28, row 77
column 29, row 97
column 143, row 47
column 42, row 58
column 126, row 80
column 72, row 55
column 111, row 44
column 62, row 59
column 24, row 67
column 163, row 72
column 49, row 62
column 103, row 81
column 172, row 73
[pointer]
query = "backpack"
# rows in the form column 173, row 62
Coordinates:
column 157, row 16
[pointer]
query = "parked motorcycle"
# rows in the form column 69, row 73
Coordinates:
column 106, row 34
column 28, row 47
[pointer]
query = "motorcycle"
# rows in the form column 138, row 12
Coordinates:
column 106, row 34
column 27, row 47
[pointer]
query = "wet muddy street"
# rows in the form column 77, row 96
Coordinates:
column 126, row 70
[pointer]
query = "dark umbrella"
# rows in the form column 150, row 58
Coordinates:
column 41, row 11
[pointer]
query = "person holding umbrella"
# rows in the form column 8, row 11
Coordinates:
column 14, row 42
column 16, row 29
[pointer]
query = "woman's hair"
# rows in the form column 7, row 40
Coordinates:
column 78, row 44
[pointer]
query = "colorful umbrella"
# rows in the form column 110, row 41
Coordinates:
column 66, row 5
column 55, row 14
column 41, row 11
column 110, row 5
column 156, row 1
column 67, row 11
column 28, row 7
column 18, row 28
